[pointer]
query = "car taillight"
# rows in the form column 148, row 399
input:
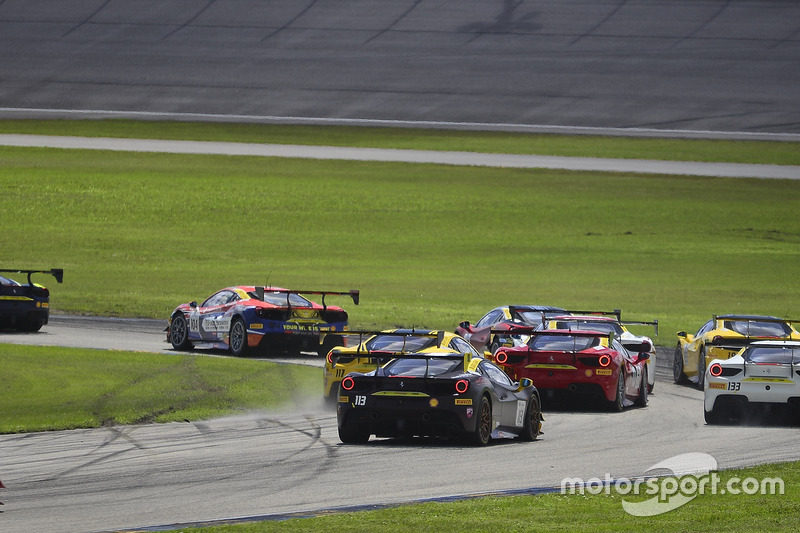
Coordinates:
column 461, row 386
column 501, row 357
column 348, row 383
column 715, row 369
column 604, row 360
column 330, row 357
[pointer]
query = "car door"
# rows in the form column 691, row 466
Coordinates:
column 214, row 317
column 511, row 409
column 694, row 346
column 631, row 370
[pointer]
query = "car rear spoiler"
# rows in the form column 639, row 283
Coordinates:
column 748, row 318
column 260, row 291
column 616, row 313
column 58, row 273
column 530, row 330
column 362, row 334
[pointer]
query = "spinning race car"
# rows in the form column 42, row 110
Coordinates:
column 764, row 374
column 488, row 333
column 721, row 338
column 25, row 306
column 244, row 317
column 580, row 363
column 379, row 347
column 446, row 395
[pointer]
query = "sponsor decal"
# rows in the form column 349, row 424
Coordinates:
column 588, row 373
column 469, row 412
column 463, row 401
column 344, row 399
column 257, row 326
column 521, row 408
column 434, row 402
column 603, row 371
column 717, row 386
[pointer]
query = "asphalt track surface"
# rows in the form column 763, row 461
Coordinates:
column 563, row 66
column 715, row 68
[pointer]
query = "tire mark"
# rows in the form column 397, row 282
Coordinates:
column 87, row 19
column 396, row 21
column 605, row 19
column 292, row 21
column 702, row 26
column 188, row 22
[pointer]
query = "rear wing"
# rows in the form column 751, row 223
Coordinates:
column 530, row 330
column 466, row 357
column 750, row 318
column 260, row 291
column 615, row 313
column 362, row 334
column 58, row 273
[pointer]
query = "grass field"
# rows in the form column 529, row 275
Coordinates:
column 427, row 245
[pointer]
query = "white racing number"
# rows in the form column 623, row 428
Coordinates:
column 360, row 400
column 521, row 405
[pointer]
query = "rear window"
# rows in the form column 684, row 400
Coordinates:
column 773, row 354
column 400, row 343
column 588, row 325
column 421, row 367
column 563, row 343
column 755, row 328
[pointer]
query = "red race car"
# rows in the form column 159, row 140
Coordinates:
column 579, row 363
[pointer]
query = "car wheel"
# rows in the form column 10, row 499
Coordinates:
column 712, row 417
column 352, row 436
column 618, row 403
column 483, row 426
column 495, row 345
column 701, row 368
column 237, row 341
column 677, row 366
column 179, row 333
column 641, row 401
column 533, row 420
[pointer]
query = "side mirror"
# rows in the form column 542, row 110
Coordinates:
column 524, row 383
column 644, row 356
column 465, row 324
column 682, row 334
column 192, row 304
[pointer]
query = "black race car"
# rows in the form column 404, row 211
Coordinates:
column 448, row 395
column 25, row 306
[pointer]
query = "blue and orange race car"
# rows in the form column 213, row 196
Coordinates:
column 270, row 318
column 25, row 306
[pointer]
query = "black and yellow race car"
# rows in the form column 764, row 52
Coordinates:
column 446, row 395
column 25, row 306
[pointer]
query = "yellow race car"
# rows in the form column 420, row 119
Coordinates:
column 721, row 338
column 376, row 348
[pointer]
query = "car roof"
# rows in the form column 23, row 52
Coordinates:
column 747, row 317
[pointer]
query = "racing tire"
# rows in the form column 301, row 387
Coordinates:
column 352, row 436
column 641, row 401
column 179, row 333
column 712, row 417
column 677, row 367
column 483, row 425
column 533, row 420
column 494, row 346
column 618, row 403
column 237, row 339
column 701, row 368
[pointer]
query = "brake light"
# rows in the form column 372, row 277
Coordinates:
column 501, row 357
column 604, row 360
column 348, row 383
column 715, row 369
column 461, row 386
column 330, row 357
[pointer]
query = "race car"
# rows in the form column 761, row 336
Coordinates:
column 721, row 338
column 610, row 322
column 565, row 363
column 763, row 374
column 481, row 336
column 270, row 318
column 378, row 347
column 25, row 306
column 446, row 395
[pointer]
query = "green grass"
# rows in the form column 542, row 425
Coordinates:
column 781, row 153
column 427, row 245
column 557, row 512
column 49, row 388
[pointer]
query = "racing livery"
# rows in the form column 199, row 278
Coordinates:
column 488, row 333
column 378, row 347
column 611, row 322
column 580, row 363
column 447, row 395
column 271, row 318
column 764, row 373
column 25, row 306
column 721, row 338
